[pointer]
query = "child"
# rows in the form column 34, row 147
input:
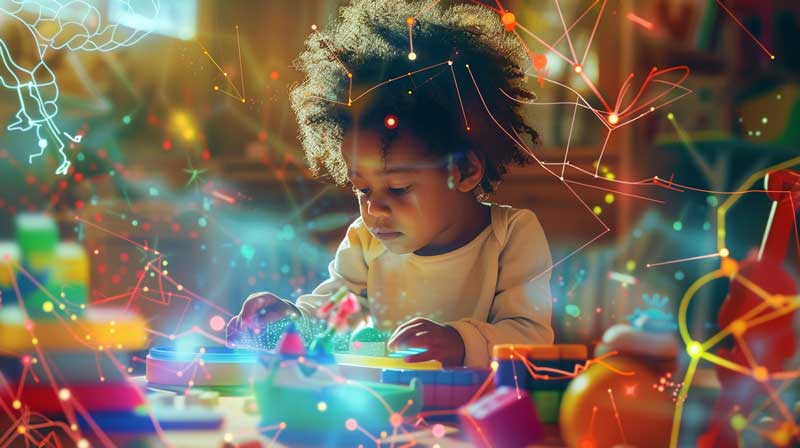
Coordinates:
column 443, row 270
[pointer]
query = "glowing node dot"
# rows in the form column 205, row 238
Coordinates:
column 449, row 62
column 396, row 419
column 217, row 323
column 670, row 116
column 410, row 21
column 597, row 210
column 322, row 406
column 351, row 424
column 179, row 374
column 494, row 365
column 390, row 122
column 216, row 87
column 724, row 252
column 83, row 443
column 73, row 427
column 738, row 327
column 172, row 337
column 16, row 404
column 228, row 437
column 760, row 374
column 438, row 430
column 349, row 75
column 282, row 425
column 613, row 118
column 695, row 349
column 509, row 21
column 64, row 394
column 314, row 27
column 412, row 56
column 539, row 61
column 47, row 306
column 578, row 68
column 22, row 429
column 42, row 143
column 35, row 341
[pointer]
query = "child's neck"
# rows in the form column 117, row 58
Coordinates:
column 470, row 220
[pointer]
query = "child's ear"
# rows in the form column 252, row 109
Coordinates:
column 469, row 173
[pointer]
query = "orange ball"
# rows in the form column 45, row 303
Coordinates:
column 587, row 411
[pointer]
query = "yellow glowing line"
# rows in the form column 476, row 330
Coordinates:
column 687, row 297
column 676, row 417
column 755, row 177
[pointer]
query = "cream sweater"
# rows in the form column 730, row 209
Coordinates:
column 493, row 290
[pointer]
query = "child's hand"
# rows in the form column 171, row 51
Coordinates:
column 258, row 311
column 442, row 341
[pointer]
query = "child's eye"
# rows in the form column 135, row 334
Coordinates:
column 399, row 191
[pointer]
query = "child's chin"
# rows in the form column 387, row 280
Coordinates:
column 397, row 247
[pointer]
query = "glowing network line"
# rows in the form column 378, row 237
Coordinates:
column 72, row 25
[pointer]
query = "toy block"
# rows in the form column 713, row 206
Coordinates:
column 37, row 235
column 46, row 399
column 114, row 329
column 504, row 417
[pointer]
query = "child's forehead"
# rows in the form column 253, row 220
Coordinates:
column 366, row 152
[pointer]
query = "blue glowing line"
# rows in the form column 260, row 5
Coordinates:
column 78, row 27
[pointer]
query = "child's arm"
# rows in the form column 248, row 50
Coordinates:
column 520, row 313
column 348, row 268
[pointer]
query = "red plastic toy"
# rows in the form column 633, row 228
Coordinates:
column 772, row 342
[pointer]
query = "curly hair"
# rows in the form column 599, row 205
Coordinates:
column 370, row 43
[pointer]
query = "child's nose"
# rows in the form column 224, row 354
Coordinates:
column 377, row 208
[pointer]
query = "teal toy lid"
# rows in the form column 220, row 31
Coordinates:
column 368, row 334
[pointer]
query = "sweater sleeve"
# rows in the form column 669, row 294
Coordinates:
column 520, row 312
column 348, row 268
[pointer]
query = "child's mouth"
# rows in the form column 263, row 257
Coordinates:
column 386, row 236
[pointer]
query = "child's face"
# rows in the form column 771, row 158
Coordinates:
column 403, row 193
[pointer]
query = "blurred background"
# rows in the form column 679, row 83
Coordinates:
column 189, row 148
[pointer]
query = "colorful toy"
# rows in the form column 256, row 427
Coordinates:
column 58, row 354
column 369, row 342
column 767, row 346
column 314, row 403
column 225, row 370
column 38, row 258
column 626, row 398
column 650, row 336
column 441, row 389
column 543, row 370
column 602, row 408
column 504, row 418
column 108, row 327
column 395, row 361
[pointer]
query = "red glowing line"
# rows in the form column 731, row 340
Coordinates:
column 741, row 25
column 640, row 21
column 223, row 197
column 91, row 224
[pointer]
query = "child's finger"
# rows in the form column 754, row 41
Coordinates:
column 409, row 323
column 402, row 336
column 427, row 355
